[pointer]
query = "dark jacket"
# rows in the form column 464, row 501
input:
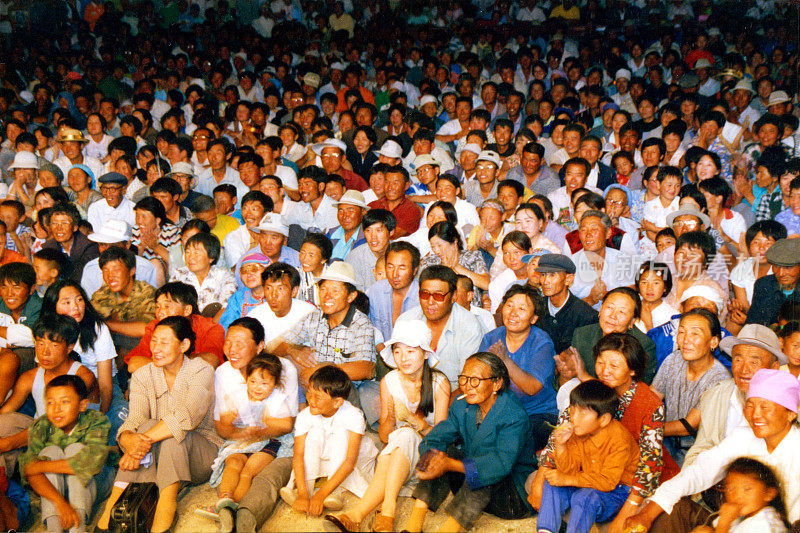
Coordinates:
column 574, row 314
column 767, row 301
column 82, row 251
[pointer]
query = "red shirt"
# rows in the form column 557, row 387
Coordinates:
column 10, row 256
column 407, row 213
column 353, row 180
column 366, row 95
column 209, row 338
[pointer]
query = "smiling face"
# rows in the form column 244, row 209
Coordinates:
column 377, row 236
column 260, row 385
column 617, row 313
column 694, row 338
column 62, row 227
column 593, row 234
column 349, row 216
column 518, row 314
column 117, row 276
column 334, row 297
column 409, row 359
column 767, row 419
column 746, row 360
column 166, row 348
column 612, row 369
column 239, row 347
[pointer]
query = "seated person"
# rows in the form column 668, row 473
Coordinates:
column 593, row 463
column 64, row 220
column 378, row 225
column 179, row 299
column 125, row 303
column 252, row 295
column 50, row 265
column 315, row 252
column 480, row 452
column 66, row 450
column 328, row 443
column 281, row 310
column 168, row 437
column 214, row 285
column 55, row 338
column 20, row 305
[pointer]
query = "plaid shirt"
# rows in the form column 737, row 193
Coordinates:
column 725, row 158
column 352, row 340
column 91, row 430
column 770, row 205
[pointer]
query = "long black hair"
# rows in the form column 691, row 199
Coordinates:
column 426, row 401
column 91, row 319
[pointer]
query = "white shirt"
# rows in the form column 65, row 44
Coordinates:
column 100, row 211
column 275, row 326
column 735, row 226
column 619, row 270
column 709, row 468
column 94, row 165
column 498, row 287
column 296, row 213
column 325, row 216
column 655, row 212
column 288, row 177
column 92, row 277
column 206, row 183
column 451, row 127
column 743, row 276
column 97, row 150
column 102, row 350
column 230, row 388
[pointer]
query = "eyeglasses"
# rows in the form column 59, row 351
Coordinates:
column 438, row 296
column 473, row 381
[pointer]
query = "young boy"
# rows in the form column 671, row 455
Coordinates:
column 330, row 455
column 657, row 209
column 594, row 461
column 664, row 239
column 66, row 449
column 20, row 238
column 49, row 264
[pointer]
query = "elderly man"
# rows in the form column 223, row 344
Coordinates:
column 599, row 268
column 114, row 205
column 773, row 290
column 770, row 436
column 348, row 236
column 332, row 151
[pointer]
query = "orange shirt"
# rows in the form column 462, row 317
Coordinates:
column 10, row 256
column 366, row 95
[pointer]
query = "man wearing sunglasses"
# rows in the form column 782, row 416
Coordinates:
column 455, row 332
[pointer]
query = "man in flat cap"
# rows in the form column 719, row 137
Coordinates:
column 781, row 285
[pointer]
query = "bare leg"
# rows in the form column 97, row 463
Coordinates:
column 230, row 475
column 255, row 464
column 9, row 367
column 398, row 473
column 373, row 496
column 417, row 518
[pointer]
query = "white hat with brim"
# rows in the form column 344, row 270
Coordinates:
column 491, row 156
column 352, row 197
column 623, row 73
column 688, row 212
column 778, row 97
column 425, row 159
column 338, row 271
column 472, row 147
column 390, row 149
column 411, row 332
column 181, row 167
column 758, row 336
column 329, row 143
column 272, row 222
column 24, row 160
column 428, row 99
column 702, row 63
column 112, row 231
column 744, row 85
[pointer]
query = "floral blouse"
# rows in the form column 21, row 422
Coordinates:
column 647, row 428
column 472, row 260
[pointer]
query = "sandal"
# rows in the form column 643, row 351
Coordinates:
column 225, row 501
column 383, row 523
column 209, row 512
column 341, row 523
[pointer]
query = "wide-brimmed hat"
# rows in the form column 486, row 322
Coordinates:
column 755, row 335
column 71, row 134
column 24, row 160
column 112, row 231
column 352, row 197
column 688, row 211
column 181, row 167
column 272, row 222
column 339, row 271
column 391, row 149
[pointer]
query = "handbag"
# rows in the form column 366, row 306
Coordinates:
column 135, row 509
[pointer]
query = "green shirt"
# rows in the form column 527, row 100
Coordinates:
column 585, row 337
column 30, row 313
column 91, row 430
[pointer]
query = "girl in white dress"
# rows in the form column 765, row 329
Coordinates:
column 414, row 398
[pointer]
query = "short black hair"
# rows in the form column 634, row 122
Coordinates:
column 182, row 328
column 117, row 253
column 254, row 326
column 69, row 380
column 167, row 185
column 661, row 269
column 404, row 246
column 333, row 380
column 209, row 242
column 322, row 242
column 439, row 273
column 276, row 271
column 256, row 196
column 18, row 273
column 57, row 328
column 595, row 395
column 56, row 259
column 379, row 216
column 227, row 188
column 769, row 228
column 183, row 293
column 701, row 240
column 152, row 206
column 630, row 348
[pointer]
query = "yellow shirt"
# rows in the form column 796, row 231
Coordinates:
column 572, row 13
column 225, row 224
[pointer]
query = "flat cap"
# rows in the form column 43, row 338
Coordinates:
column 785, row 252
column 555, row 263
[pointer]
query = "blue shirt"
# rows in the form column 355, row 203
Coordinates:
column 380, row 305
column 790, row 221
column 239, row 304
column 536, row 357
column 664, row 337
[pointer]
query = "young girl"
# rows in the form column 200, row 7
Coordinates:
column 414, row 398
column 654, row 281
column 252, row 295
column 515, row 246
column 753, row 501
column 790, row 344
column 251, row 446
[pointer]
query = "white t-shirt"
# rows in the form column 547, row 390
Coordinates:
column 102, row 350
column 275, row 326
column 230, row 393
column 743, row 276
column 655, row 212
column 450, row 128
column 733, row 225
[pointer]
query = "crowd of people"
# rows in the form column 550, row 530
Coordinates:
column 540, row 255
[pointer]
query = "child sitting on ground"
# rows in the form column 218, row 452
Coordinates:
column 753, row 501
column 255, row 424
column 595, row 461
column 790, row 344
column 329, row 447
column 66, row 449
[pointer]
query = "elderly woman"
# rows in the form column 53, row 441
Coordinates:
column 447, row 249
column 620, row 363
column 168, row 437
column 214, row 284
column 686, row 374
column 479, row 452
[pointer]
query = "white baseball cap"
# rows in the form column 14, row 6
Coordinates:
column 428, row 99
column 112, row 231
column 703, row 291
column 490, row 156
column 623, row 73
column 472, row 147
column 391, row 149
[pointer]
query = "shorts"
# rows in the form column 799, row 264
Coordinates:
column 272, row 447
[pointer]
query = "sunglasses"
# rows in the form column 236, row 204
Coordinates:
column 437, row 296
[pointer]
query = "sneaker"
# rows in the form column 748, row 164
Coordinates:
column 288, row 495
column 334, row 501
column 226, row 520
column 209, row 512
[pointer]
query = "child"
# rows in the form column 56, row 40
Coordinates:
column 790, row 345
column 315, row 252
column 20, row 237
column 379, row 271
column 66, row 449
column 49, row 264
column 623, row 165
column 225, row 198
column 595, row 461
column 656, row 210
column 665, row 239
column 252, row 295
column 250, row 447
column 753, row 501
column 653, row 282
column 328, row 444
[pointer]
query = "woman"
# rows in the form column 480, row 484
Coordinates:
column 730, row 225
column 531, row 220
column 414, row 398
column 694, row 251
column 516, row 245
column 98, row 140
column 488, row 235
column 360, row 154
column 95, row 346
column 439, row 211
column 81, row 187
column 620, row 363
column 708, row 166
column 447, row 249
column 153, row 235
column 170, row 425
column 486, row 434
column 529, row 355
column 654, row 282
column 686, row 374
column 214, row 284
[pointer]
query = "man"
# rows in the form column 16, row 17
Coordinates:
column 465, row 292
column 114, row 233
column 282, row 310
column 514, row 112
column 599, row 268
column 485, row 185
column 427, row 172
column 332, row 151
column 114, row 205
column 399, row 292
column 219, row 170
column 425, row 143
column 770, row 436
column 533, row 172
column 168, row 192
column 66, row 237
column 455, row 332
column 770, row 292
column 502, row 138
column 406, row 212
column 721, row 408
column 183, row 173
column 377, row 226
column 321, row 208
column 576, row 170
column 204, row 208
column 180, row 299
column 72, row 142
column 336, row 333
column 255, row 205
column 742, row 112
column 458, row 127
column 348, row 236
column 600, row 175
column 271, row 235
column 467, row 161
column 565, row 312
column 270, row 151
